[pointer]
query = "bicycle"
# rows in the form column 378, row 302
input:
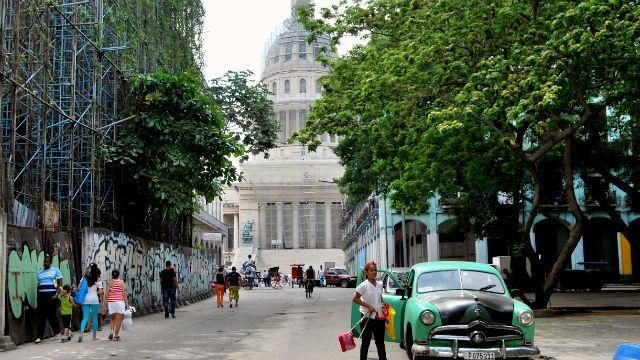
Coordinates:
column 308, row 288
column 275, row 282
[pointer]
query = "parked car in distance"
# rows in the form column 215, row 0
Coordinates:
column 339, row 277
column 454, row 310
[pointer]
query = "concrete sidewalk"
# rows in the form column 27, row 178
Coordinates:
column 612, row 297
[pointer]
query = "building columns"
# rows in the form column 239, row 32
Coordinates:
column 482, row 251
column 296, row 226
column 280, row 227
column 262, row 227
column 433, row 247
column 236, row 231
column 313, row 224
column 327, row 226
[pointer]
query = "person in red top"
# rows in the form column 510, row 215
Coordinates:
column 117, row 302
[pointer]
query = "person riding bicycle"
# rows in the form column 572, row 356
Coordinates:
column 311, row 278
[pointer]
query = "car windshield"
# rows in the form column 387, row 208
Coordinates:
column 340, row 271
column 459, row 279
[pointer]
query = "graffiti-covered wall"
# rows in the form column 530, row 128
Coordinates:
column 25, row 255
column 140, row 262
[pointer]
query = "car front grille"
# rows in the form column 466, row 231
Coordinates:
column 476, row 333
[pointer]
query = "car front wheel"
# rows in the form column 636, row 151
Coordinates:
column 408, row 344
column 344, row 283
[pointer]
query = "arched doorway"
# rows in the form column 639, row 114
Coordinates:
column 454, row 245
column 635, row 249
column 416, row 243
column 551, row 237
column 601, row 246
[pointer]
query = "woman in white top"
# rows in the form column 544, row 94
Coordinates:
column 369, row 296
column 91, row 303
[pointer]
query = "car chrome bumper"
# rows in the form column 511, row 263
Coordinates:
column 458, row 353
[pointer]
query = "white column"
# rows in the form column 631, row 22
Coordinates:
column 433, row 246
column 313, row 224
column 482, row 251
column 236, row 231
column 296, row 226
column 388, row 249
column 328, row 226
column 280, row 229
column 262, row 226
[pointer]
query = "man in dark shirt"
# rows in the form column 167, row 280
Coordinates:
column 311, row 278
column 168, row 285
column 233, row 282
column 300, row 276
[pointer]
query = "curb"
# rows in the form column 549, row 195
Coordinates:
column 568, row 311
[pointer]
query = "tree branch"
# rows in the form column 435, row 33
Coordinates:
column 557, row 138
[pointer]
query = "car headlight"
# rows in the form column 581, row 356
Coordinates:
column 525, row 318
column 427, row 317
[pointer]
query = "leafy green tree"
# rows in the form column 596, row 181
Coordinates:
column 175, row 147
column 247, row 110
column 474, row 99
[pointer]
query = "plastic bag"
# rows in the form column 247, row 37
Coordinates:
column 346, row 341
column 389, row 326
column 127, row 323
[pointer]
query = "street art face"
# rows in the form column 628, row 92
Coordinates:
column 141, row 261
column 22, row 277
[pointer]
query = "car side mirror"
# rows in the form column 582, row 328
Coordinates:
column 401, row 292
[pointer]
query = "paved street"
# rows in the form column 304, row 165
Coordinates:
column 282, row 324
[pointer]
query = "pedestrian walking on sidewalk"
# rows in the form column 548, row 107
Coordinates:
column 221, row 282
column 66, row 310
column 321, row 276
column 49, row 284
column 300, row 276
column 91, row 303
column 369, row 296
column 117, row 303
column 169, row 285
column 233, row 282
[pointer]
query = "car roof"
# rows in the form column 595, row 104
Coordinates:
column 452, row 265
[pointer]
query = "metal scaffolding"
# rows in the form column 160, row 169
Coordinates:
column 59, row 83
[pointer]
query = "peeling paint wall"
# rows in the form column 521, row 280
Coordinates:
column 140, row 262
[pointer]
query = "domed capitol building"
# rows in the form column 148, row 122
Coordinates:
column 288, row 208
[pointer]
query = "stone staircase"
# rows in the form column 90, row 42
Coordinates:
column 285, row 258
column 242, row 254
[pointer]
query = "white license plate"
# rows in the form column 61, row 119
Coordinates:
column 478, row 355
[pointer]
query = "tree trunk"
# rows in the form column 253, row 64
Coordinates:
column 537, row 267
column 576, row 230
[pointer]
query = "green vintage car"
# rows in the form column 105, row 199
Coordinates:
column 455, row 310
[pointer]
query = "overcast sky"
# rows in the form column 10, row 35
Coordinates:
column 236, row 31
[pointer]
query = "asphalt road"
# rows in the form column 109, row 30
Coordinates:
column 283, row 324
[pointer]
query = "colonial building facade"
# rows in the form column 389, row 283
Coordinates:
column 376, row 231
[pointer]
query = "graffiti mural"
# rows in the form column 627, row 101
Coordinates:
column 140, row 262
column 25, row 255
column 22, row 277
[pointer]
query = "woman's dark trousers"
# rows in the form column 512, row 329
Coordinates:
column 376, row 328
column 47, row 310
